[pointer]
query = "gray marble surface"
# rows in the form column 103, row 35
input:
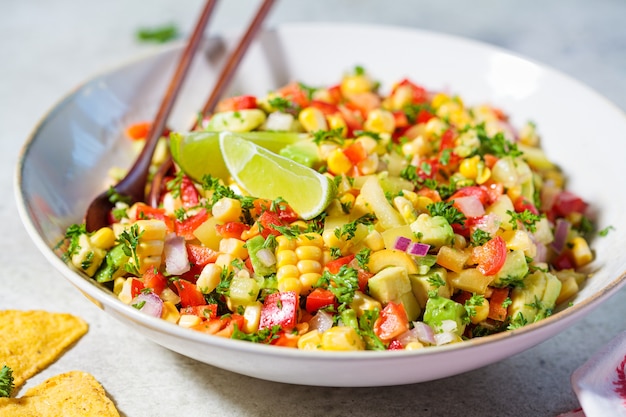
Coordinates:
column 48, row 47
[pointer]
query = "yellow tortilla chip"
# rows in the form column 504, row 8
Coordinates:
column 70, row 394
column 32, row 340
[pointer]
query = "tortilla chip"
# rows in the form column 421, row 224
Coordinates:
column 32, row 340
column 70, row 394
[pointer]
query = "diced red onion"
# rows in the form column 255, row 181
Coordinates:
column 561, row 230
column 421, row 332
column 402, row 243
column 448, row 326
column 148, row 303
column 321, row 321
column 418, row 249
column 470, row 205
column 542, row 252
column 176, row 258
column 266, row 256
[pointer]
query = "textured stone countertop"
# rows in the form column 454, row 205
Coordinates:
column 48, row 47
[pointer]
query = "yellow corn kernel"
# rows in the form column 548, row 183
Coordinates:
column 439, row 99
column 209, row 278
column 285, row 257
column 147, row 263
column 118, row 285
column 169, row 296
column 310, row 239
column 380, row 121
column 310, row 341
column 252, row 317
column 227, row 210
column 581, row 253
column 369, row 165
column 435, row 126
column 419, row 146
column 289, row 284
column 103, row 238
column 342, row 338
column 569, row 288
column 326, row 257
column 484, row 173
column 189, row 320
column 369, row 143
column 307, row 281
column 224, row 261
column 312, row 119
column 338, row 162
column 331, row 240
column 151, row 229
column 287, row 271
column 284, row 243
column 469, row 167
column 347, row 200
column 335, row 121
column 147, row 248
column 125, row 295
column 402, row 96
column 234, row 246
column 308, row 265
column 413, row 346
column 170, row 312
column 406, row 209
column 422, row 203
column 355, row 84
column 309, row 252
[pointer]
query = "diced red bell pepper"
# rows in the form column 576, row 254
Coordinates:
column 420, row 95
column 326, row 108
column 206, row 311
column 363, row 278
column 497, row 310
column 355, row 152
column 335, row 265
column 400, row 118
column 391, row 322
column 447, row 140
column 491, row 256
column 186, row 227
column 423, row 116
column 295, row 93
column 522, row 204
column 136, row 287
column 189, row 194
column 563, row 261
column 199, row 256
column 267, row 221
column 138, row 131
column 145, row 211
column 567, row 203
column 153, row 278
column 231, row 229
column 471, row 190
column 335, row 93
column 189, row 293
column 318, row 298
column 220, row 326
column 284, row 210
column 395, row 345
column 280, row 309
column 237, row 103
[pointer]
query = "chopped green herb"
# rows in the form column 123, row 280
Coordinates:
column 447, row 210
column 6, row 381
column 526, row 218
column 606, row 231
column 158, row 34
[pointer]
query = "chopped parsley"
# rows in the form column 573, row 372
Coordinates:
column 470, row 305
column 332, row 136
column 526, row 218
column 174, row 185
column 363, row 258
column 479, row 237
column 72, row 234
column 266, row 335
column 6, row 381
column 130, row 239
column 348, row 230
column 497, row 145
column 284, row 105
column 343, row 284
column 366, row 330
column 605, row 231
column 518, row 321
column 435, row 280
column 158, row 34
column 219, row 190
column 447, row 211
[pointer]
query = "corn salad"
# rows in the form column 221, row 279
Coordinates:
column 448, row 224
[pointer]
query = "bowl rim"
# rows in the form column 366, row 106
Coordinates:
column 103, row 297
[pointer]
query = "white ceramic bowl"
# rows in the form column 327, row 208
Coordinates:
column 63, row 164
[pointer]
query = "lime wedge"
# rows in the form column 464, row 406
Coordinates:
column 198, row 153
column 265, row 174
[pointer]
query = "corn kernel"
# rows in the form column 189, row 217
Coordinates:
column 104, row 238
column 335, row 121
column 439, row 99
column 355, row 84
column 312, row 119
column 380, row 121
column 287, row 271
column 308, row 280
column 374, row 241
column 309, row 252
column 209, row 278
column 469, row 167
column 227, row 210
column 342, row 338
column 150, row 248
column 252, row 317
column 326, row 257
column 309, row 265
column 347, row 200
column 484, row 173
column 224, row 261
column 284, row 243
column 422, row 203
column 402, row 96
column 310, row 341
column 481, row 312
column 338, row 162
column 405, row 208
column 310, row 239
column 118, row 285
column 413, row 346
column 234, row 246
column 290, row 284
column 285, row 257
column 170, row 312
column 169, row 296
column 369, row 165
column 151, row 229
column 189, row 320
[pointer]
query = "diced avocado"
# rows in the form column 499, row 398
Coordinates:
column 254, row 245
column 389, row 284
column 433, row 230
column 393, row 284
column 439, row 309
column 113, row 265
column 435, row 280
column 513, row 271
column 536, row 298
column 304, row 153
column 243, row 291
column 411, row 306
